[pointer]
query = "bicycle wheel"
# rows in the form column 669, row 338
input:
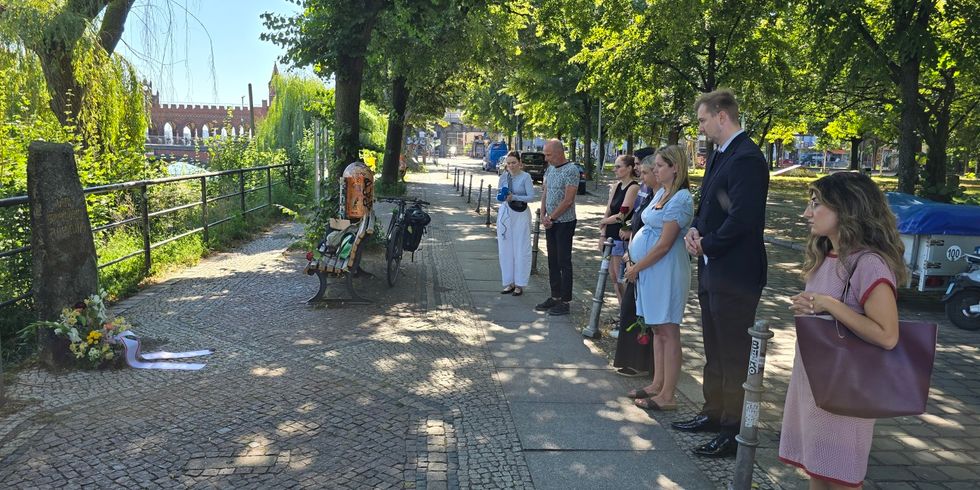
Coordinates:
column 393, row 253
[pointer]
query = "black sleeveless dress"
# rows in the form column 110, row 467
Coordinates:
column 612, row 230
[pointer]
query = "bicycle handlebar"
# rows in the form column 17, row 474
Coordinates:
column 402, row 199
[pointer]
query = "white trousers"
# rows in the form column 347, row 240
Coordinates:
column 514, row 245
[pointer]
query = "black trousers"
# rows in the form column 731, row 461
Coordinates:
column 726, row 317
column 559, row 240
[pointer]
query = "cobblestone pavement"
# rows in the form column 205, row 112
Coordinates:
column 397, row 394
column 939, row 449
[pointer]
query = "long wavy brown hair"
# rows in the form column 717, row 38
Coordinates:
column 864, row 221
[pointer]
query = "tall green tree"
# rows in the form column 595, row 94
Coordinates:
column 333, row 37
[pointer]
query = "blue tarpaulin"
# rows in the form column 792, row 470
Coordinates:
column 920, row 216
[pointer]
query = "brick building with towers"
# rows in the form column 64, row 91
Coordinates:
column 180, row 131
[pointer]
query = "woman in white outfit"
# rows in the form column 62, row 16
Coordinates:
column 514, row 225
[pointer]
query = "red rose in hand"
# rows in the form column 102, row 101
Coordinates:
column 643, row 339
column 624, row 210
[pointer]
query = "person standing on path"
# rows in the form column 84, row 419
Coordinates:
column 727, row 238
column 853, row 242
column 632, row 358
column 514, row 226
column 661, row 268
column 619, row 209
column 558, row 217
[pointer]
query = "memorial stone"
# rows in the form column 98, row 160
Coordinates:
column 63, row 253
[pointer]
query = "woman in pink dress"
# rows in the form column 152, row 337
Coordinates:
column 853, row 238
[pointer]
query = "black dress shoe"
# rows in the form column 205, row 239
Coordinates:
column 700, row 423
column 723, row 446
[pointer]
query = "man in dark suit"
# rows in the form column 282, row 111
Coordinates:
column 726, row 237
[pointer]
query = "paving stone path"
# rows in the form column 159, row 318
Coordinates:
column 421, row 389
column 398, row 394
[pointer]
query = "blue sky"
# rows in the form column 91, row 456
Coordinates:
column 173, row 48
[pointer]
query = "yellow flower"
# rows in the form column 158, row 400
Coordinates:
column 93, row 337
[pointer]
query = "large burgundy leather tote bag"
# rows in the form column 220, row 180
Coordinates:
column 849, row 376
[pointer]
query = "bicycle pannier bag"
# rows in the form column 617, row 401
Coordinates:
column 416, row 219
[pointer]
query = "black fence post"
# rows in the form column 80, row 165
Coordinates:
column 145, row 219
column 534, row 243
column 479, row 197
column 268, row 180
column 489, row 202
column 469, row 195
column 241, row 189
column 204, row 208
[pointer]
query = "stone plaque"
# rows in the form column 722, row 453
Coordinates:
column 63, row 253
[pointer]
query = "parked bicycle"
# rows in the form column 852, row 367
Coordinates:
column 405, row 232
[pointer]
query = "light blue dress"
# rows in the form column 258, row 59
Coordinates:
column 662, row 288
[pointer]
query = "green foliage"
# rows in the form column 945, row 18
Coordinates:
column 298, row 100
column 374, row 126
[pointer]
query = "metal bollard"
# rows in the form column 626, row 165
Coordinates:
column 592, row 329
column 747, row 436
column 469, row 194
column 479, row 197
column 447, row 172
column 455, row 178
column 462, row 184
column 489, row 202
column 534, row 243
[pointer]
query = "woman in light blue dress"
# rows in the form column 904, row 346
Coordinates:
column 661, row 268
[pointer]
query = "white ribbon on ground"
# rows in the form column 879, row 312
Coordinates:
column 136, row 359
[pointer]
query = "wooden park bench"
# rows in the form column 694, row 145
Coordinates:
column 348, row 267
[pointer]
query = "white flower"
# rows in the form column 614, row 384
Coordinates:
column 73, row 335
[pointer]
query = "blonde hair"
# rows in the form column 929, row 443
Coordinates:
column 675, row 157
column 864, row 222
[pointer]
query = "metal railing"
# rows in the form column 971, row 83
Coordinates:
column 144, row 214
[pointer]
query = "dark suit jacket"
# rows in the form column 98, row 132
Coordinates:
column 731, row 217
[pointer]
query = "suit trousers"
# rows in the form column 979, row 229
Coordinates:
column 726, row 317
column 559, row 241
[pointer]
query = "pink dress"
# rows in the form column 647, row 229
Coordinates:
column 831, row 447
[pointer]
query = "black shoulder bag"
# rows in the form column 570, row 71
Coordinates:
column 519, row 206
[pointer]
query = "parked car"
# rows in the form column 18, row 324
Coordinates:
column 534, row 164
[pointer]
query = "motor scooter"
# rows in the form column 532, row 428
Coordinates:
column 963, row 295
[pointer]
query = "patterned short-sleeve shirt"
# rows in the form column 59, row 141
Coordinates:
column 555, row 181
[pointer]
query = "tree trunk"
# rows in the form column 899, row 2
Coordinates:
column 572, row 148
column 908, row 138
column 855, row 162
column 347, row 112
column 630, row 141
column 937, row 137
column 587, row 147
column 396, row 131
column 674, row 135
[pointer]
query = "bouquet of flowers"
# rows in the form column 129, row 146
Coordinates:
column 89, row 330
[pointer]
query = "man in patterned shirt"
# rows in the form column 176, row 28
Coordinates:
column 558, row 217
